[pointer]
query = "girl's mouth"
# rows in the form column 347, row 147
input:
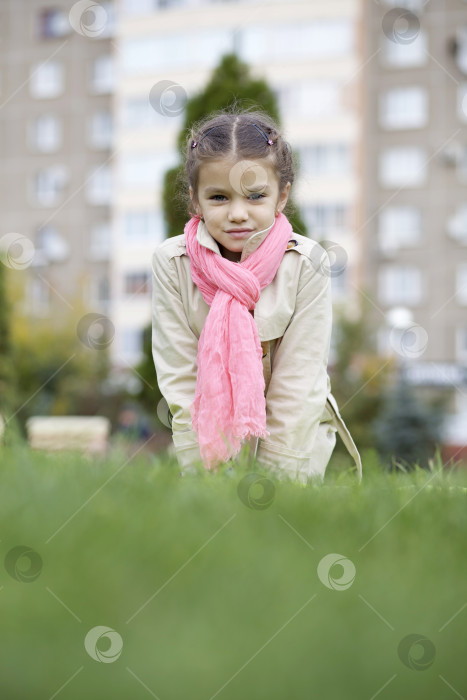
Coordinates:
column 239, row 233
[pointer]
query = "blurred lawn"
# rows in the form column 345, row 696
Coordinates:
column 215, row 599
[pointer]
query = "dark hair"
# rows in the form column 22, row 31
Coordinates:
column 232, row 135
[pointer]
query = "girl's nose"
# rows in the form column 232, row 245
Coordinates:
column 237, row 211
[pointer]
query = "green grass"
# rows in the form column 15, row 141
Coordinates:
column 215, row 599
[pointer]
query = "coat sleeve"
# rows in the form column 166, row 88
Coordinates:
column 299, row 384
column 174, row 351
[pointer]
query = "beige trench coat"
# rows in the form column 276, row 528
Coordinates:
column 294, row 317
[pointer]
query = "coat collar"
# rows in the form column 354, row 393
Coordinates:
column 251, row 244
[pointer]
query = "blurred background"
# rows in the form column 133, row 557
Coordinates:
column 96, row 100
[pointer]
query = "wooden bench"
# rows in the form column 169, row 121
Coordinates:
column 87, row 434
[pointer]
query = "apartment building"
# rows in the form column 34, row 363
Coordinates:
column 165, row 52
column 56, row 131
column 92, row 102
column 414, row 229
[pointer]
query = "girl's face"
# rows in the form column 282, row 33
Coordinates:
column 237, row 199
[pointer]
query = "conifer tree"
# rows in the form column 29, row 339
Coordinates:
column 406, row 431
column 7, row 375
column 358, row 373
column 230, row 85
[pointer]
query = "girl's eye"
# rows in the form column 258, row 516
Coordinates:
column 255, row 194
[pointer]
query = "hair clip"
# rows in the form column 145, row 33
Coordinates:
column 195, row 143
column 269, row 141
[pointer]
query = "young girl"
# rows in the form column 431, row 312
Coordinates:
column 242, row 314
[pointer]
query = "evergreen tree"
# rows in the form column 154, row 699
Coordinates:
column 7, row 374
column 150, row 395
column 230, row 86
column 406, row 430
column 358, row 374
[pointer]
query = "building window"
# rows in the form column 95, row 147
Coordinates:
column 461, row 49
column 326, row 159
column 47, row 80
column 108, row 30
column 340, row 286
column 141, row 7
column 101, row 130
column 416, row 6
column 103, row 75
column 322, row 219
column 202, row 49
column 400, row 55
column 99, row 290
column 399, row 284
column 461, row 345
column 461, row 165
column 99, row 243
column 310, row 100
column 132, row 343
column 103, row 289
column 37, row 297
column 145, row 169
column 49, row 185
column 45, row 133
column 402, row 167
column 399, row 227
column 99, row 186
column 403, row 108
column 95, row 20
column 138, row 7
column 143, row 227
column 138, row 112
column 166, row 4
column 52, row 244
column 320, row 39
column 52, row 23
column 457, row 225
column 137, row 283
column 461, row 283
column 462, row 102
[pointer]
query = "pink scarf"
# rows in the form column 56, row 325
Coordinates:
column 229, row 403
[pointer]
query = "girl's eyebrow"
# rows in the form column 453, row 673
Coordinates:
column 212, row 188
column 207, row 190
